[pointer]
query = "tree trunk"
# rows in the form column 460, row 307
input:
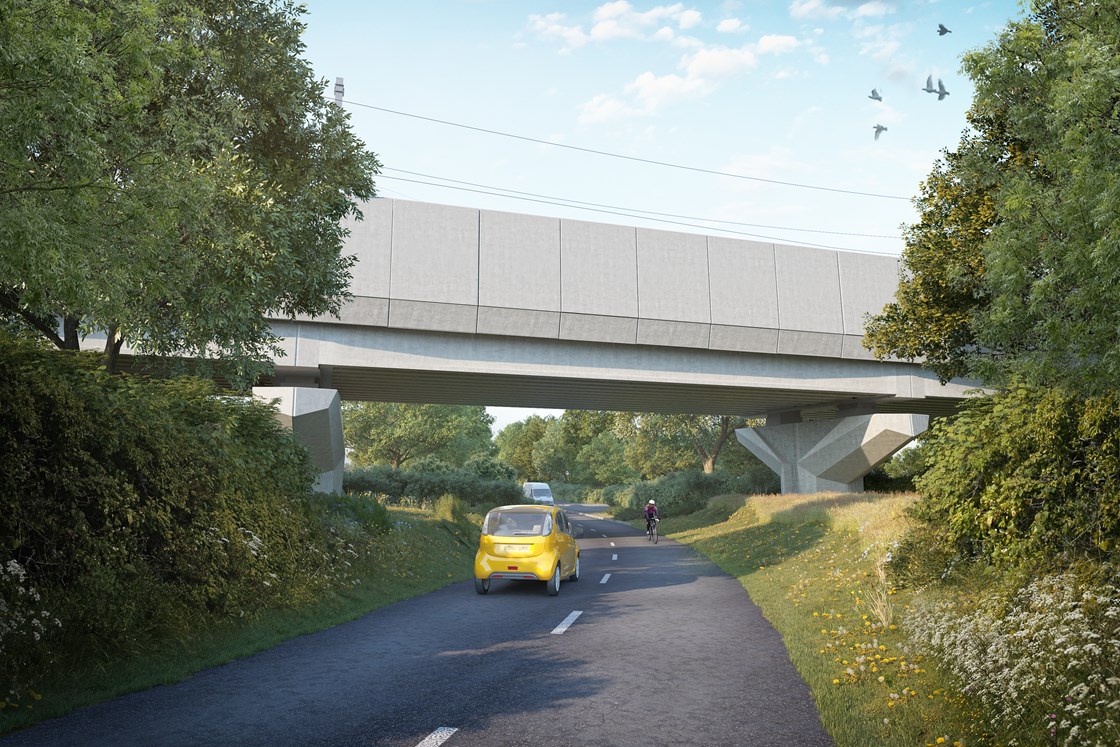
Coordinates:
column 710, row 464
column 113, row 345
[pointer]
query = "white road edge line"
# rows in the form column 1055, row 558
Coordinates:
column 614, row 557
column 559, row 629
column 438, row 737
column 605, row 577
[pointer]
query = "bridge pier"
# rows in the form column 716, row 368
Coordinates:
column 819, row 456
column 315, row 416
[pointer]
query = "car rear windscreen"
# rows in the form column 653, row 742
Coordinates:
column 518, row 524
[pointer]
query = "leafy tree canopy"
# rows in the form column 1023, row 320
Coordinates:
column 170, row 172
column 396, row 433
column 658, row 444
column 516, row 441
column 1015, row 268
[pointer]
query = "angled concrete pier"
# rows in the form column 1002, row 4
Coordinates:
column 315, row 416
column 832, row 455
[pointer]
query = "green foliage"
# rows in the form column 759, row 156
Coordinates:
column 1014, row 271
column 396, row 433
column 604, row 458
column 173, row 174
column 677, row 493
column 145, row 509
column 397, row 485
column 516, row 442
column 1029, row 474
column 554, row 456
column 942, row 272
column 658, row 444
column 489, row 468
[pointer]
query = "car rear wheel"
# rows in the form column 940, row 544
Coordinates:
column 482, row 585
column 575, row 576
column 553, row 584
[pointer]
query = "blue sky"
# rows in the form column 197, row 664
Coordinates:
column 772, row 91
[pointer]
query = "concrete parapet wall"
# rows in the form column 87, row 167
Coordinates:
column 452, row 269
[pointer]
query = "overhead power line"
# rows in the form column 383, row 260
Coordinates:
column 565, row 201
column 651, row 161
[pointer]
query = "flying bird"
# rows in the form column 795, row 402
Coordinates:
column 929, row 85
column 941, row 30
column 941, row 92
column 875, row 95
column 879, row 130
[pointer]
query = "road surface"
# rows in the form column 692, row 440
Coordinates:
column 654, row 645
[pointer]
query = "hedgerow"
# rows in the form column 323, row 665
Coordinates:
column 1026, row 474
column 676, row 493
column 395, row 485
column 136, row 510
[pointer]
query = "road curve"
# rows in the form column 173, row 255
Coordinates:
column 666, row 650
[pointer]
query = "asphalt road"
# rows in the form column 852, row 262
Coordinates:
column 666, row 650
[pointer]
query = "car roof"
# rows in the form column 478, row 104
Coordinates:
column 527, row 508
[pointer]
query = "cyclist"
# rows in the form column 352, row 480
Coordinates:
column 651, row 514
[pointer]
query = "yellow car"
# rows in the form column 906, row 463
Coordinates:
column 528, row 543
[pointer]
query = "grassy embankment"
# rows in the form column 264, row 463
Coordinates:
column 425, row 551
column 813, row 564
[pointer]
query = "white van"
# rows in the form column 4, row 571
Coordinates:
column 538, row 492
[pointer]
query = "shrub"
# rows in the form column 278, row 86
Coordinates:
column 677, row 493
column 1042, row 660
column 405, row 484
column 141, row 509
column 488, row 468
column 1027, row 473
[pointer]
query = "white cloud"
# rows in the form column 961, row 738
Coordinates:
column 605, row 108
column 814, row 9
column 822, row 9
column 717, row 62
column 655, row 91
column 552, row 26
column 689, row 18
column 873, row 9
column 619, row 20
column 777, row 44
column 730, row 26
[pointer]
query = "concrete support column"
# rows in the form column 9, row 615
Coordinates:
column 819, row 456
column 315, row 416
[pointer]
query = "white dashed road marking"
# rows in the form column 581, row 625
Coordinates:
column 614, row 557
column 612, row 544
column 559, row 629
column 438, row 737
column 605, row 578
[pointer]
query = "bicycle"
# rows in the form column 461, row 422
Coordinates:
column 651, row 529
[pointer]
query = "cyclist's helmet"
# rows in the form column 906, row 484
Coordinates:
column 652, row 501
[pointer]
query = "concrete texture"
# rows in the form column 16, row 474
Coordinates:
column 830, row 455
column 421, row 265
column 315, row 416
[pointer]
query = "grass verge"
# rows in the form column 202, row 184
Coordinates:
column 814, row 565
column 423, row 553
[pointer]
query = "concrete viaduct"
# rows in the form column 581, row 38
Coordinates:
column 465, row 306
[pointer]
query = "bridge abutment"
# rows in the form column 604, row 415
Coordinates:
column 833, row 455
column 315, row 416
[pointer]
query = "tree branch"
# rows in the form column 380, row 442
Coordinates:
column 10, row 301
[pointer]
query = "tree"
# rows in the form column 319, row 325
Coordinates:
column 604, row 460
column 170, row 173
column 1042, row 261
column 516, row 442
column 394, row 434
column 657, row 444
column 554, row 455
column 942, row 272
